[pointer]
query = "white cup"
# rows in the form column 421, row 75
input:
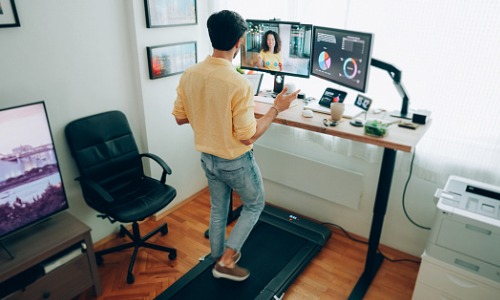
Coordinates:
column 336, row 111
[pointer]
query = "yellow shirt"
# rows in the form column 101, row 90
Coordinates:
column 218, row 102
column 271, row 61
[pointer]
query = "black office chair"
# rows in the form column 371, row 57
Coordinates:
column 113, row 181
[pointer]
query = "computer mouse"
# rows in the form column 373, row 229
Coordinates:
column 307, row 113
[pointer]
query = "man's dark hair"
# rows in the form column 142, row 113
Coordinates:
column 225, row 28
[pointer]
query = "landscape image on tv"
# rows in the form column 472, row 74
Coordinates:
column 31, row 187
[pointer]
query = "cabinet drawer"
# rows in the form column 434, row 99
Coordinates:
column 425, row 292
column 471, row 238
column 65, row 282
column 455, row 282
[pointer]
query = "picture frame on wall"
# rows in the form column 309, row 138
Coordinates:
column 165, row 13
column 170, row 59
column 8, row 14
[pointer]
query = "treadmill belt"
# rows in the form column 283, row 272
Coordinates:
column 273, row 255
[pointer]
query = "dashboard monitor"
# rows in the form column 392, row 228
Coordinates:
column 277, row 47
column 342, row 56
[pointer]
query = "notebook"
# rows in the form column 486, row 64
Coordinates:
column 351, row 111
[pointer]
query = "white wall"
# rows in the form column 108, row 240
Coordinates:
column 161, row 133
column 74, row 55
column 85, row 57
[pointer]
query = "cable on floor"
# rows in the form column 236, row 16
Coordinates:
column 366, row 243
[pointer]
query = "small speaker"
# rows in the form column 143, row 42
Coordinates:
column 290, row 88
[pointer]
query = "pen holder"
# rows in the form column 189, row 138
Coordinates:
column 336, row 111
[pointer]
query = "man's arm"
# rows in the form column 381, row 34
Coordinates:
column 281, row 103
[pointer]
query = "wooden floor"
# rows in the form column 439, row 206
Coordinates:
column 331, row 275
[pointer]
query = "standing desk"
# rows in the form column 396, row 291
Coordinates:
column 398, row 139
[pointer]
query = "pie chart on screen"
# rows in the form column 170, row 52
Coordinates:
column 324, row 60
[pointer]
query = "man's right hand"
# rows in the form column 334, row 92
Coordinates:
column 282, row 101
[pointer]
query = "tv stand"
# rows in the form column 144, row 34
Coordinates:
column 6, row 250
column 23, row 275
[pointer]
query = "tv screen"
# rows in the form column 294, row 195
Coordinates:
column 277, row 47
column 31, row 187
column 342, row 57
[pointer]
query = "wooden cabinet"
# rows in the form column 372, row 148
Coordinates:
column 24, row 277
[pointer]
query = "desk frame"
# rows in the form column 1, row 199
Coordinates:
column 397, row 139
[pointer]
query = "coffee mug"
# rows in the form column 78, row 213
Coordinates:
column 337, row 111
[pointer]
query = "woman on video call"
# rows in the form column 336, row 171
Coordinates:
column 270, row 56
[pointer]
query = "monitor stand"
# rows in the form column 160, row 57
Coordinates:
column 6, row 250
column 402, row 115
column 279, row 83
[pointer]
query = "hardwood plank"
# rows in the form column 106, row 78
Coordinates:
column 331, row 275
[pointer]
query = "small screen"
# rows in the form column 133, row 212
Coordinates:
column 277, row 47
column 342, row 57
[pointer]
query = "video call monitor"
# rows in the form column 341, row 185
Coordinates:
column 277, row 47
column 31, row 187
column 342, row 56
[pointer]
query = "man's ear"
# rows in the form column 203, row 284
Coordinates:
column 238, row 43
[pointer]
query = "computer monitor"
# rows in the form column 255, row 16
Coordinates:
column 290, row 55
column 342, row 56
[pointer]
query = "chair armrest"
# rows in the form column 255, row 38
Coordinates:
column 94, row 188
column 161, row 162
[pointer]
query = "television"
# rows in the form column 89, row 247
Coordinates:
column 31, row 186
column 290, row 55
column 342, row 56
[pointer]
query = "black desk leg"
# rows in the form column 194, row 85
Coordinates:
column 373, row 258
column 232, row 215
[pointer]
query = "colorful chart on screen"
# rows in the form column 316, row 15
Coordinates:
column 350, row 68
column 324, row 60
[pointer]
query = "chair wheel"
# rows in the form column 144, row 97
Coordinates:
column 130, row 278
column 172, row 255
column 99, row 259
column 164, row 230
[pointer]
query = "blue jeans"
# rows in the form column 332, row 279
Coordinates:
column 243, row 176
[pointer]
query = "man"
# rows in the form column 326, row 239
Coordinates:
column 218, row 104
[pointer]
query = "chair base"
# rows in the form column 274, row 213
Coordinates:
column 137, row 242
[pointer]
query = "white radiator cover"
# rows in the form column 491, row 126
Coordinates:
column 323, row 180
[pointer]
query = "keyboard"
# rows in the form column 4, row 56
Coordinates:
column 264, row 99
column 351, row 111
column 270, row 100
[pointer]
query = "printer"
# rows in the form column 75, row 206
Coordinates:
column 466, row 230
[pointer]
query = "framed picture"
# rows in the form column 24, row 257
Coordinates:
column 167, row 60
column 8, row 14
column 164, row 13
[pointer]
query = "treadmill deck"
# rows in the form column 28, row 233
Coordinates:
column 279, row 247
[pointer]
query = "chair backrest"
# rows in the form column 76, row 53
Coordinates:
column 104, row 149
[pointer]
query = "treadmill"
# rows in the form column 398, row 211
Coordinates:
column 277, row 250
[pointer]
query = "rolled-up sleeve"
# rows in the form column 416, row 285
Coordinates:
column 178, row 111
column 244, row 123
